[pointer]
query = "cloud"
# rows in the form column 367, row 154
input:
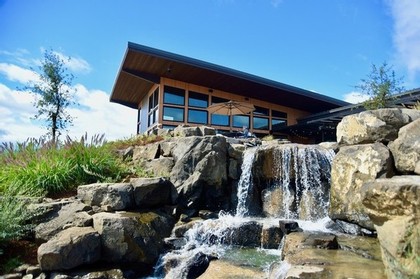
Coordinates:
column 75, row 64
column 406, row 35
column 96, row 115
column 355, row 97
column 19, row 74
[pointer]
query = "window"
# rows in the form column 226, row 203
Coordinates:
column 240, row 121
column 198, row 100
column 216, row 100
column 278, row 123
column 260, row 111
column 219, row 119
column 174, row 96
column 197, row 116
column 173, row 114
column 153, row 108
column 260, row 123
column 278, row 114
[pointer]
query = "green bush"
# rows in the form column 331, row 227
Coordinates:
column 14, row 219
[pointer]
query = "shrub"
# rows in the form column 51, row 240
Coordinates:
column 14, row 217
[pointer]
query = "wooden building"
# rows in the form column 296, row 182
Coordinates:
column 169, row 89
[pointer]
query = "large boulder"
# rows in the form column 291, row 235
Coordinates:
column 351, row 167
column 153, row 192
column 200, row 171
column 146, row 152
column 393, row 206
column 374, row 125
column 129, row 237
column 406, row 148
column 321, row 255
column 70, row 248
column 118, row 196
column 66, row 215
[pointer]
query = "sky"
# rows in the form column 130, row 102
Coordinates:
column 320, row 45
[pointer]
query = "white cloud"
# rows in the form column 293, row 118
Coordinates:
column 406, row 36
column 75, row 64
column 19, row 74
column 355, row 97
column 96, row 115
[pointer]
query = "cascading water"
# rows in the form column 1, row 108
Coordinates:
column 300, row 186
column 245, row 182
column 298, row 189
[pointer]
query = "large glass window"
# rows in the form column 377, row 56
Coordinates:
column 197, row 100
column 173, row 114
column 260, row 123
column 278, row 114
column 216, row 100
column 197, row 116
column 174, row 96
column 240, row 121
column 278, row 123
column 153, row 108
column 220, row 120
column 260, row 111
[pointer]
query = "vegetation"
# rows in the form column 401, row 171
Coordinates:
column 53, row 94
column 42, row 168
column 380, row 84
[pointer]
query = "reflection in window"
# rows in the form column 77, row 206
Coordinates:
column 279, row 114
column 260, row 123
column 260, row 111
column 197, row 100
column 173, row 114
column 197, row 116
column 216, row 100
column 240, row 121
column 278, row 123
column 174, row 96
column 220, row 120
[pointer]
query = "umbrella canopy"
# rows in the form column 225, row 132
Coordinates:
column 231, row 108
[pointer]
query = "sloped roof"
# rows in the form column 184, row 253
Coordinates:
column 143, row 66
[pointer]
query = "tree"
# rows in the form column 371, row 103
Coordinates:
column 380, row 84
column 53, row 94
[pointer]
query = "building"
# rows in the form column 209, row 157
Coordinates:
column 169, row 89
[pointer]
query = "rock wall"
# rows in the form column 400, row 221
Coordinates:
column 376, row 183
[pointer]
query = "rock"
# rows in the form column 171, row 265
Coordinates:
column 393, row 206
column 153, row 192
column 374, row 125
column 200, row 171
column 234, row 169
column 235, row 151
column 12, row 276
column 289, row 226
column 198, row 265
column 306, row 260
column 245, row 234
column 146, row 152
column 207, row 131
column 207, row 214
column 118, row 196
column 330, row 145
column 183, row 131
column 161, row 166
column 227, row 270
column 406, row 148
column 321, row 241
column 34, row 270
column 174, row 243
column 349, row 228
column 180, row 229
column 106, row 274
column 65, row 217
column 271, row 236
column 70, row 248
column 351, row 167
column 132, row 237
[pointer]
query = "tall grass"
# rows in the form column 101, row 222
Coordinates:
column 38, row 168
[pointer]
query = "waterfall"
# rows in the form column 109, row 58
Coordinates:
column 300, row 186
column 245, row 182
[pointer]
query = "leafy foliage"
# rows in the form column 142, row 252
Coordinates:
column 380, row 84
column 53, row 93
column 137, row 140
column 14, row 217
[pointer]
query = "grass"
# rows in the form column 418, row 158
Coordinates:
column 37, row 168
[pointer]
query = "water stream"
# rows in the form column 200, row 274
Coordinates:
column 298, row 191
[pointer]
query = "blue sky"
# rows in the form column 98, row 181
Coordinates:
column 325, row 46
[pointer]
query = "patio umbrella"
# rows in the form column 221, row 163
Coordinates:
column 231, row 108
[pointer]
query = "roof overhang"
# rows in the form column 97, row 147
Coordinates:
column 143, row 67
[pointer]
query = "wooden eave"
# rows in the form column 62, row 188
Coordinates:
column 143, row 67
